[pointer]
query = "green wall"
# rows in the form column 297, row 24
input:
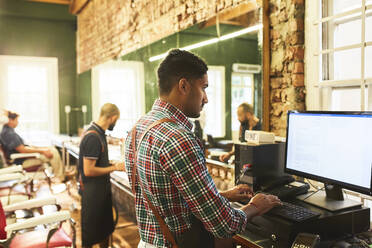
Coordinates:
column 243, row 49
column 43, row 30
column 84, row 92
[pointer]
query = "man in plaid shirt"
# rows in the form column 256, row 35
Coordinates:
column 171, row 166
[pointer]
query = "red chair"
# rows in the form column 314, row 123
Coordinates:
column 53, row 236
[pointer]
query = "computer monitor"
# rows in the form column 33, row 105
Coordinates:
column 334, row 148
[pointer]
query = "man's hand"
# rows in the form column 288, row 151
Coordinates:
column 224, row 157
column 119, row 166
column 47, row 153
column 264, row 203
column 238, row 193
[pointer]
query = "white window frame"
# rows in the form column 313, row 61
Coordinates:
column 319, row 91
column 51, row 64
column 235, row 132
column 138, row 67
column 222, row 102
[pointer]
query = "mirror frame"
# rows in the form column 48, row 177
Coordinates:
column 266, row 66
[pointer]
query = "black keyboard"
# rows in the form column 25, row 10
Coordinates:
column 293, row 212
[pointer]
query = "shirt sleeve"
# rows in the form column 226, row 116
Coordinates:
column 91, row 146
column 183, row 158
column 12, row 140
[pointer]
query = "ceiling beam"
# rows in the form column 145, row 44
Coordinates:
column 66, row 2
column 77, row 6
column 231, row 14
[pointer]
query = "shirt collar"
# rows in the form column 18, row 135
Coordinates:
column 173, row 112
column 7, row 126
column 98, row 128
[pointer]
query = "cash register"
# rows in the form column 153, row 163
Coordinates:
column 332, row 148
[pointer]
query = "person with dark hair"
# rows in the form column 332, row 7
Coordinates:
column 13, row 143
column 97, row 221
column 248, row 121
column 176, row 200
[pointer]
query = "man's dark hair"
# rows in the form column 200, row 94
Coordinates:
column 179, row 64
column 247, row 108
column 12, row 115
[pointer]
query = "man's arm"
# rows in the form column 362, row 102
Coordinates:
column 183, row 159
column 227, row 156
column 91, row 170
column 90, row 150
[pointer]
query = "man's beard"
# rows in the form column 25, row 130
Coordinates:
column 244, row 123
column 111, row 127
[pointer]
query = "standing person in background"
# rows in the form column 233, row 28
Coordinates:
column 248, row 121
column 97, row 222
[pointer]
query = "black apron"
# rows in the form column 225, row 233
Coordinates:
column 96, row 212
column 96, row 199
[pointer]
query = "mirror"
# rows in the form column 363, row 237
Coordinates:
column 231, row 45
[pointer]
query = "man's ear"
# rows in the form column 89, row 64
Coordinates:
column 183, row 86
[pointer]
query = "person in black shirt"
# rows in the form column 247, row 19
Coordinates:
column 248, row 121
column 97, row 222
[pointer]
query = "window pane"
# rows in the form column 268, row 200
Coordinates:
column 247, row 80
column 368, row 25
column 118, row 85
column 347, row 32
column 369, row 98
column 346, row 99
column 214, row 115
column 346, row 64
column 368, row 63
column 239, row 94
column 340, row 6
column 28, row 95
column 235, row 80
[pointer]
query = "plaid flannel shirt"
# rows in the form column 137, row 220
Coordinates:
column 171, row 165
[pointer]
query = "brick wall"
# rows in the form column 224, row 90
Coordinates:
column 111, row 28
column 287, row 90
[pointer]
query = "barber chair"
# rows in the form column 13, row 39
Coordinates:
column 37, row 171
column 15, row 185
column 22, row 232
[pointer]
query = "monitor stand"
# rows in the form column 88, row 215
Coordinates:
column 332, row 199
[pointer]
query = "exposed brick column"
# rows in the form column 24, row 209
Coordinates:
column 287, row 90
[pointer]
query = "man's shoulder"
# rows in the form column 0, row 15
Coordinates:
column 90, row 136
column 162, row 131
column 7, row 132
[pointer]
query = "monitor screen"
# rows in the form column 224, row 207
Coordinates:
column 331, row 147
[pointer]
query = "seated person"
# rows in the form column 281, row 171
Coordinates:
column 248, row 121
column 13, row 143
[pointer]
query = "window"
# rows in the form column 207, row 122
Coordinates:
column 242, row 90
column 29, row 86
column 214, row 110
column 339, row 56
column 121, row 83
